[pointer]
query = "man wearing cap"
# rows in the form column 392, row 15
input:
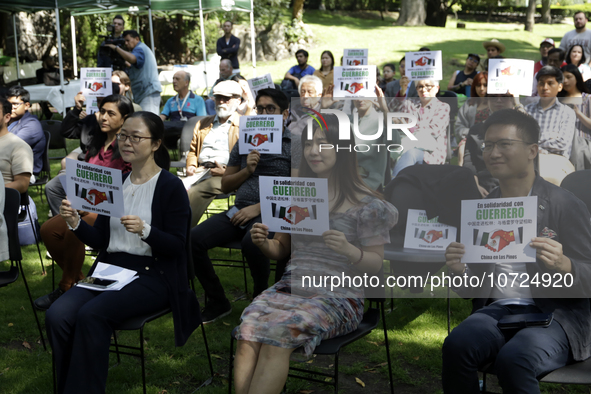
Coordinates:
column 461, row 80
column 580, row 36
column 493, row 49
column 213, row 139
column 545, row 47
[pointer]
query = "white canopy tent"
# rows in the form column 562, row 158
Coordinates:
column 86, row 7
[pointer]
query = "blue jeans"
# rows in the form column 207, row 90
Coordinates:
column 151, row 103
column 408, row 158
column 519, row 356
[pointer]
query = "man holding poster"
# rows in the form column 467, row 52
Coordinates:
column 563, row 252
column 242, row 175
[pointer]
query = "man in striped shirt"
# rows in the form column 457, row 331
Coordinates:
column 557, row 124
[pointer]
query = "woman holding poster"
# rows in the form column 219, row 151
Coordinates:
column 278, row 322
column 150, row 240
column 101, row 149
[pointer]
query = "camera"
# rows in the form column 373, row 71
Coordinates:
column 104, row 51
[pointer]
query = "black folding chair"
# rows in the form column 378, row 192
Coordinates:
column 139, row 322
column 45, row 174
column 370, row 321
column 26, row 211
column 11, row 206
column 56, row 139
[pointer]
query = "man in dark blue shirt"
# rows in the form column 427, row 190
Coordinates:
column 228, row 46
column 26, row 126
column 293, row 76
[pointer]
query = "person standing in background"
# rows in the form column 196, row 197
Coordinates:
column 228, row 45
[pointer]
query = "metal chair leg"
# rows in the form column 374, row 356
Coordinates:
column 142, row 357
column 231, row 364
column 20, row 264
column 207, row 349
column 36, row 239
column 336, row 373
column 116, row 347
column 387, row 346
column 244, row 264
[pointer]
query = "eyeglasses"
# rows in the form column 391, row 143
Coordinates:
column 223, row 99
column 503, row 145
column 473, row 59
column 425, row 87
column 134, row 139
column 269, row 109
column 16, row 105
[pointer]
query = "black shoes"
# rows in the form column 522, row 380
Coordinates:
column 214, row 311
column 43, row 303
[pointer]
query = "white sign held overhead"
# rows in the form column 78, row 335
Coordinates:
column 259, row 83
column 96, row 82
column 424, row 65
column 355, row 57
column 354, row 81
column 294, row 205
column 499, row 230
column 510, row 75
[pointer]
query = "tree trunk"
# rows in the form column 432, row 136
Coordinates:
column 436, row 13
column 546, row 16
column 530, row 16
column 298, row 9
column 412, row 13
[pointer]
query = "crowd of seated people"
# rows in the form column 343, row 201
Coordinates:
column 514, row 147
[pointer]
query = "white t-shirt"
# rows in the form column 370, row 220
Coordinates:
column 4, row 255
column 573, row 38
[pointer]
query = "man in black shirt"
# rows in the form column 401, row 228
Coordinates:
column 228, row 46
column 461, row 81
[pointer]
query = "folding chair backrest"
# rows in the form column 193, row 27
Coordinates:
column 579, row 184
column 45, row 156
column 11, row 205
column 187, row 134
column 53, row 127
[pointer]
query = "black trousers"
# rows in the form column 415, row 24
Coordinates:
column 217, row 231
column 80, row 324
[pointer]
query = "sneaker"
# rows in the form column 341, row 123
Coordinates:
column 43, row 303
column 215, row 311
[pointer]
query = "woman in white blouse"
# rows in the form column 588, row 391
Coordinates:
column 150, row 239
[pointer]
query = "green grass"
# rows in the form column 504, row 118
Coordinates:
column 388, row 43
column 417, row 327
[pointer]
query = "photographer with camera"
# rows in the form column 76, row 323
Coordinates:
column 143, row 71
column 106, row 56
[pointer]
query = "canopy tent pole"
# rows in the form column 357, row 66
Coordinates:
column 203, row 46
column 252, row 39
column 151, row 27
column 18, row 67
column 59, row 51
column 74, row 55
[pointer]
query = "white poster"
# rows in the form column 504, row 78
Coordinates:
column 514, row 75
column 354, row 81
column 91, row 105
column 427, row 234
column 294, row 205
column 96, row 82
column 260, row 132
column 499, row 230
column 262, row 82
column 355, row 57
column 424, row 65
column 94, row 188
